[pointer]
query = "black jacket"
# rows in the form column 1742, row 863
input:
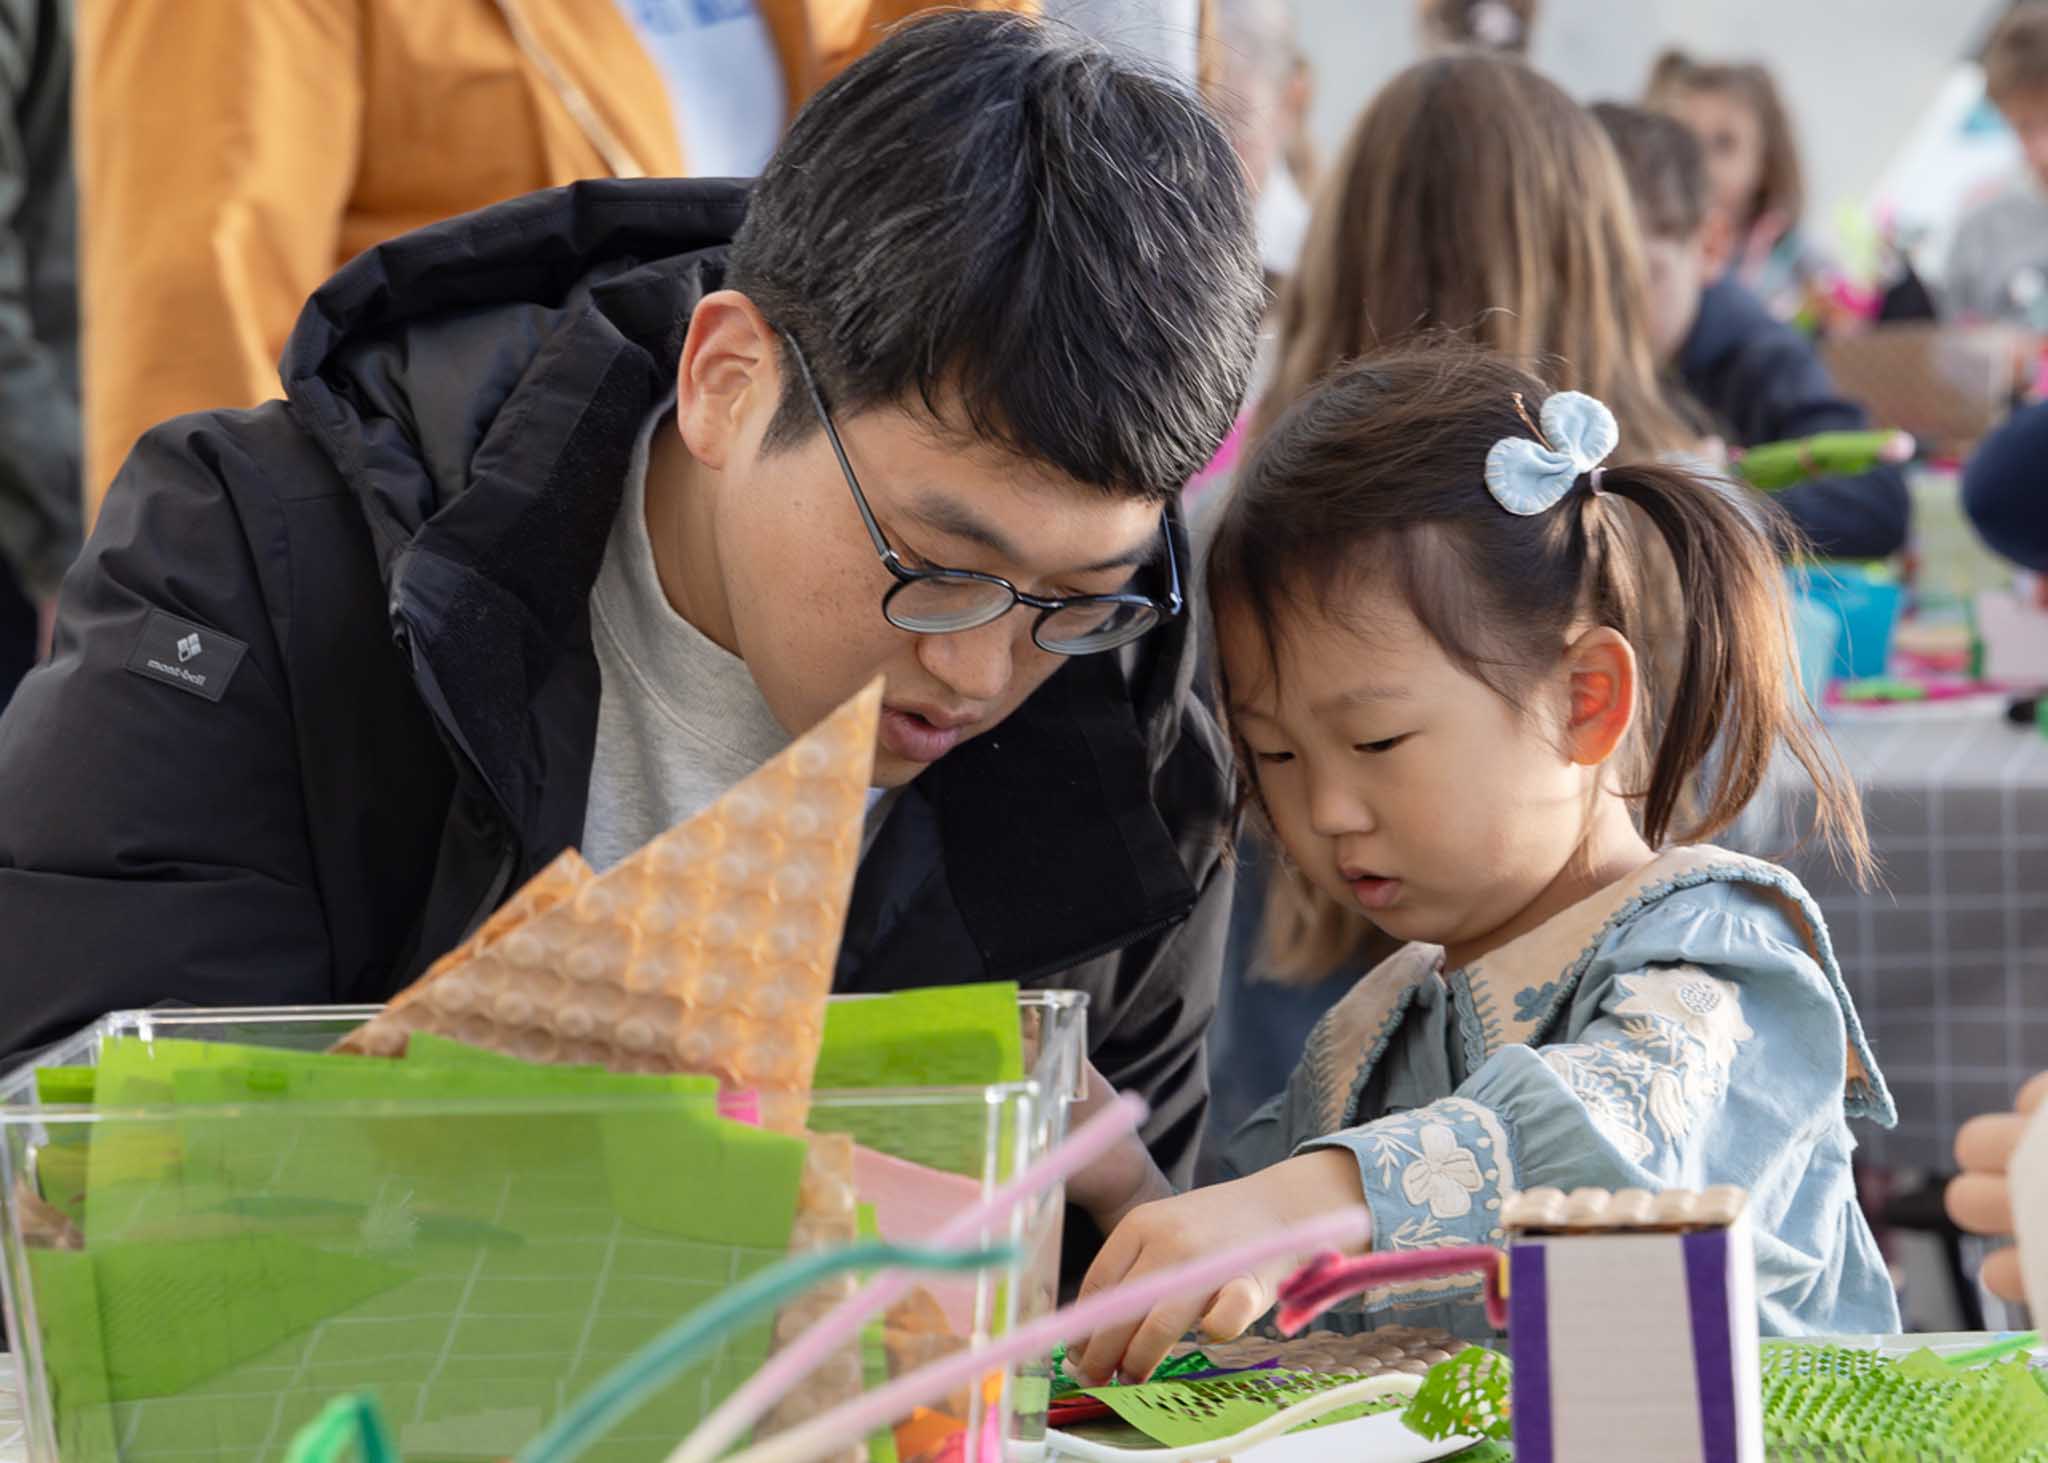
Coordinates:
column 406, row 546
column 1762, row 381
column 39, row 448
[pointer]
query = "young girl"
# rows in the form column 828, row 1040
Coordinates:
column 1427, row 620
column 1752, row 165
column 1473, row 195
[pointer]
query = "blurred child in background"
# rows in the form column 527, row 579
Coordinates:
column 1753, row 168
column 1758, row 379
column 1487, row 25
column 1997, row 268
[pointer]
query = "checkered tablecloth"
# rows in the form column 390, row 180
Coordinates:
column 1948, row 961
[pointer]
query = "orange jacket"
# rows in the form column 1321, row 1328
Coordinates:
column 232, row 153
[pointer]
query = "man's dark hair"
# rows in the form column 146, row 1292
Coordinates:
column 1049, row 247
column 1666, row 168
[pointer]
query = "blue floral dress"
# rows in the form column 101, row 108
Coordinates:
column 1684, row 1028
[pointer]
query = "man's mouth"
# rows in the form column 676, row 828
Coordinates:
column 922, row 735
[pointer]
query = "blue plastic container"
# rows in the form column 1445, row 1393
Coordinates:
column 1865, row 610
column 1815, row 633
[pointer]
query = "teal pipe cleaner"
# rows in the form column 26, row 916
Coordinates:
column 645, row 1372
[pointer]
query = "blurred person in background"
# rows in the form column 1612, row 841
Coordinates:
column 2005, row 490
column 1489, row 25
column 1997, row 268
column 233, row 153
column 38, row 330
column 1757, row 378
column 1262, row 89
column 1169, row 34
column 1257, row 94
column 1753, row 168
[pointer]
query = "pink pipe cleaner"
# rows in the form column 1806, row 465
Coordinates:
column 1331, row 1277
column 842, row 1323
column 858, row 1418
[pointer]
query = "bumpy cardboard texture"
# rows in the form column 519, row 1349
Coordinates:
column 710, row 950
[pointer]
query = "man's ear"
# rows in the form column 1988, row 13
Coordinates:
column 1600, row 667
column 730, row 374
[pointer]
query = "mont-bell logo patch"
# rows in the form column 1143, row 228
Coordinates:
column 188, row 656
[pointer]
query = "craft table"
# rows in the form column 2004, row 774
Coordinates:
column 1948, row 961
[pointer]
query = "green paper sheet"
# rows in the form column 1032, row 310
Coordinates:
column 1179, row 1414
column 874, row 1349
column 942, row 1036
column 255, row 1251
column 426, row 1047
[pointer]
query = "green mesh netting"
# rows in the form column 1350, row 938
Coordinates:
column 1173, row 1368
column 1820, row 1404
column 1826, row 1403
column 1466, row 1396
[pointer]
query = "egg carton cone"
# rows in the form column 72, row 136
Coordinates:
column 558, row 882
column 711, row 950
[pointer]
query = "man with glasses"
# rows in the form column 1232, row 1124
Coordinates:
column 579, row 508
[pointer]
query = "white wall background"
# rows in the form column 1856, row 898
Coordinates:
column 1857, row 73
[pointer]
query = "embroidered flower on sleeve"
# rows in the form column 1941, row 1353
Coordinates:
column 1444, row 1176
column 1706, row 1009
column 1683, row 1028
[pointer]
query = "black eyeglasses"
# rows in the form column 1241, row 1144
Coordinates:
column 936, row 601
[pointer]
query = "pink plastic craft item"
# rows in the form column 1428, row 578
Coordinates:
column 837, row 1327
column 1330, row 1278
column 858, row 1418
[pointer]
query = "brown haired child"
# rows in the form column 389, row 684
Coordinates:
column 1427, row 615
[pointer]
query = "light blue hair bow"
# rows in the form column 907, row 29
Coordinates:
column 1528, row 477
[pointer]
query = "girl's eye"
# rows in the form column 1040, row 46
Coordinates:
column 1377, row 748
column 1273, row 759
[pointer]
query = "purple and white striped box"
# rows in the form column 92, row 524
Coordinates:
column 1630, row 1346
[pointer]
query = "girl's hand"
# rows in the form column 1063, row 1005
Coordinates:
column 1171, row 1232
column 1124, row 1177
column 1980, row 1197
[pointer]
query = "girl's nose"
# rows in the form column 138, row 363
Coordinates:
column 1335, row 807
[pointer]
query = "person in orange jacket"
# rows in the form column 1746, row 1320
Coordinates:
column 232, row 154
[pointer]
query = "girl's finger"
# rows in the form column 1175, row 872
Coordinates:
column 1981, row 1203
column 1112, row 1267
column 1985, row 1144
column 1104, row 1355
column 1236, row 1306
column 2002, row 1276
column 1158, row 1334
